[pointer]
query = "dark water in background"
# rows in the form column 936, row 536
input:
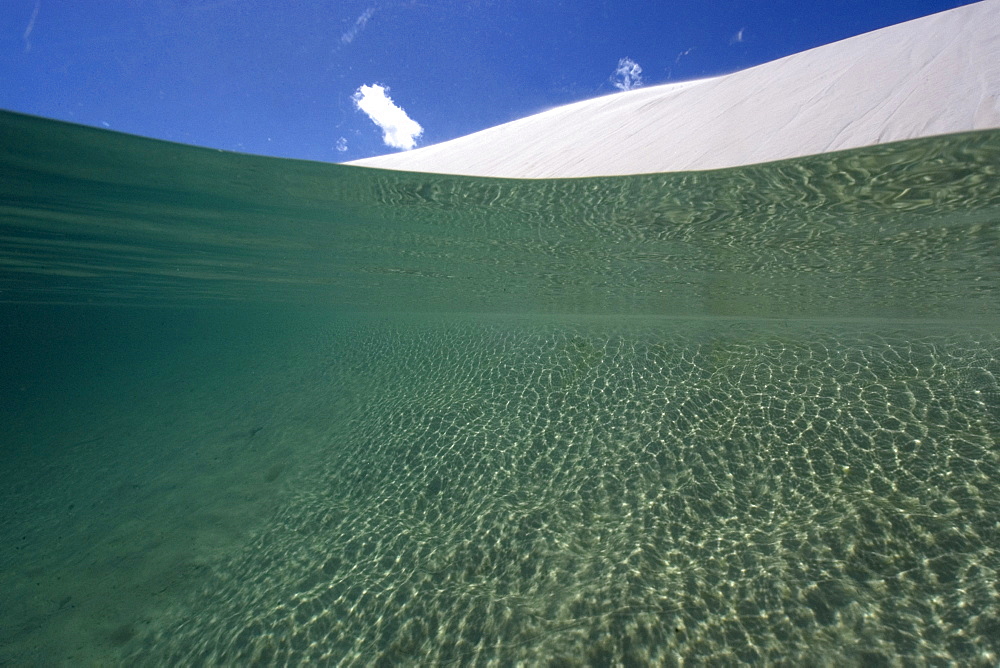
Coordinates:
column 264, row 410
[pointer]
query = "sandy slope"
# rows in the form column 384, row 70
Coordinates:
column 934, row 75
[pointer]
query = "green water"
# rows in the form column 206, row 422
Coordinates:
column 265, row 412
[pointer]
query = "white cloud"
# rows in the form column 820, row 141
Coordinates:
column 737, row 38
column 628, row 74
column 341, row 144
column 359, row 25
column 398, row 129
column 31, row 26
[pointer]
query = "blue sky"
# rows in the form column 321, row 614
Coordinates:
column 282, row 78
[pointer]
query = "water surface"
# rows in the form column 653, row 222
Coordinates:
column 274, row 411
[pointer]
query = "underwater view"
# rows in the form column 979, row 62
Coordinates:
column 266, row 411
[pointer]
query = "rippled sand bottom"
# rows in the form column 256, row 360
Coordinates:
column 587, row 491
column 473, row 489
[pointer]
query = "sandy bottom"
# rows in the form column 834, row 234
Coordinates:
column 231, row 489
column 132, row 465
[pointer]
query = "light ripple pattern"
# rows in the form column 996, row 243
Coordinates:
column 630, row 494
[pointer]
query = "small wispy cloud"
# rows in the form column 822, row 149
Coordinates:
column 341, row 145
column 398, row 129
column 359, row 25
column 627, row 75
column 31, row 26
column 682, row 54
column 738, row 37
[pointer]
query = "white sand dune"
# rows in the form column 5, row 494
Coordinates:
column 935, row 75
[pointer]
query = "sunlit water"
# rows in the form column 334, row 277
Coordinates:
column 278, row 412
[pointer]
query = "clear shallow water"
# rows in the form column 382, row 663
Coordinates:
column 258, row 412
